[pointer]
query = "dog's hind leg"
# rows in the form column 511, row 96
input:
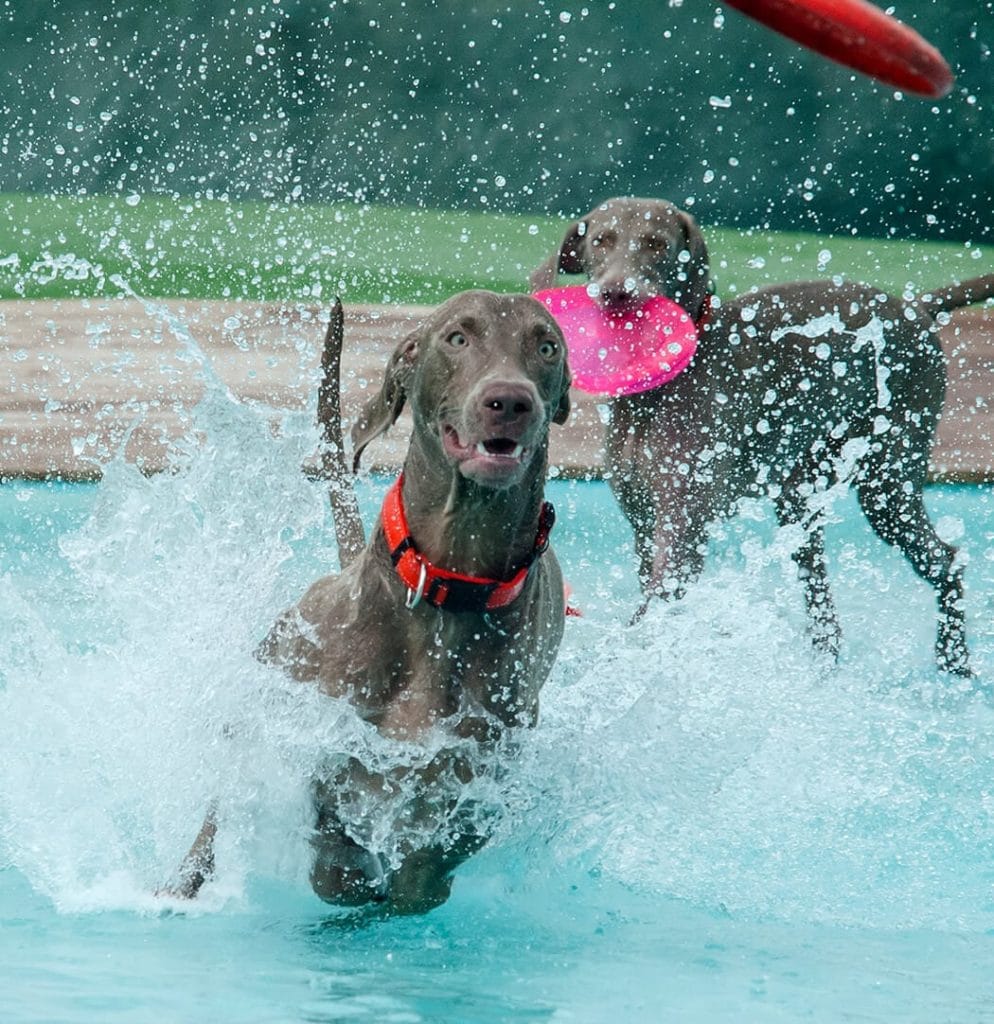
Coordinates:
column 900, row 519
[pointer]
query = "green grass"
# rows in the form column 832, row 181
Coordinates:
column 156, row 246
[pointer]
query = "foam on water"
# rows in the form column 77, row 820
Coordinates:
column 121, row 687
column 724, row 765
column 707, row 755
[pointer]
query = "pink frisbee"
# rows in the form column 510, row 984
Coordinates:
column 612, row 355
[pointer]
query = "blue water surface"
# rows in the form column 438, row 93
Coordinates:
column 710, row 822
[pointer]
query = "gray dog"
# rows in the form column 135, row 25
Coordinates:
column 450, row 618
column 793, row 388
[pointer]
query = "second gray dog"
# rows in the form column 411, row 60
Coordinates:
column 794, row 388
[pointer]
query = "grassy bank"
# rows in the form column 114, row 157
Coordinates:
column 157, row 246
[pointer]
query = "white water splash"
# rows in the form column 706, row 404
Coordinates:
column 707, row 754
column 871, row 334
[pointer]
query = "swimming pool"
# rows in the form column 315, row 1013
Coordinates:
column 709, row 823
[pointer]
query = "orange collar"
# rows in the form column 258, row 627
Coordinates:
column 453, row 591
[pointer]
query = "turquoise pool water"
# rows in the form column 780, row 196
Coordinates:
column 709, row 823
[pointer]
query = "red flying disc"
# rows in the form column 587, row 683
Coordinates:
column 612, row 354
column 859, row 35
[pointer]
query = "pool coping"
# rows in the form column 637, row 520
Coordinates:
column 87, row 378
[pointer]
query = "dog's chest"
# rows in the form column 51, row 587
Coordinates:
column 475, row 669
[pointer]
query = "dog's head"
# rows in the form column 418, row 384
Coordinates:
column 631, row 250
column 486, row 374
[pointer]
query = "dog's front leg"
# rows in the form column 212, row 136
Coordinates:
column 345, row 873
column 198, row 865
column 674, row 555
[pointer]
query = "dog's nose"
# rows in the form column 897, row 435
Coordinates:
column 506, row 403
column 620, row 292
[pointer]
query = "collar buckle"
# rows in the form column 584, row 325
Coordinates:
column 414, row 595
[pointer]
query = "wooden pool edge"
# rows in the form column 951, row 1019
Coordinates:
column 82, row 381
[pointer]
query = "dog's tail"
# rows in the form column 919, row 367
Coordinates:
column 334, row 466
column 966, row 293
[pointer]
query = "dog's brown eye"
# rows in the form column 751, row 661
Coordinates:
column 457, row 340
column 548, row 349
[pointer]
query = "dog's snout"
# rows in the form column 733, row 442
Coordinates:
column 505, row 403
column 619, row 292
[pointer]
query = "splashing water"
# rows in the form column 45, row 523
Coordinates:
column 123, row 675
column 705, row 759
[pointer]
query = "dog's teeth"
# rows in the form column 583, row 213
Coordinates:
column 515, row 453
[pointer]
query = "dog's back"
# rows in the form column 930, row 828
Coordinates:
column 810, row 365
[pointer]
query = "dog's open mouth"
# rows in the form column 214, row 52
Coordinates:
column 489, row 458
column 501, row 447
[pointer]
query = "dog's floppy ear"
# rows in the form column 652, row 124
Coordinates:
column 382, row 410
column 561, row 415
column 696, row 268
column 566, row 261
